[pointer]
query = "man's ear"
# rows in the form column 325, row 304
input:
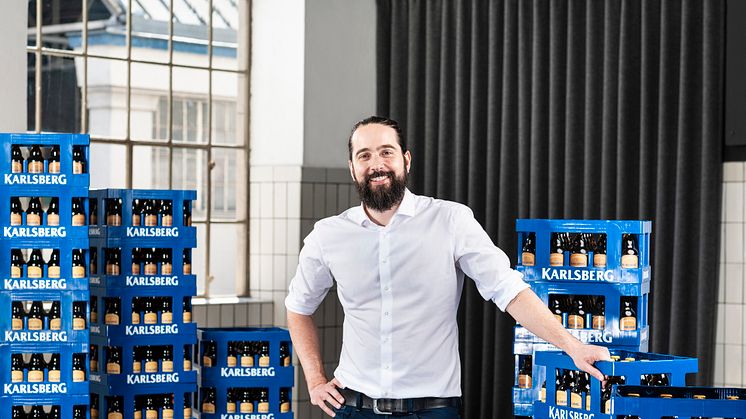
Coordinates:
column 352, row 170
column 407, row 160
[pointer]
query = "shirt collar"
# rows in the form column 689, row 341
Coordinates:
column 406, row 208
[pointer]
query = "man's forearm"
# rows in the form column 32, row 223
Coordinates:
column 306, row 345
column 528, row 310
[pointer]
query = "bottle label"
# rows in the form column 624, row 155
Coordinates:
column 528, row 259
column 231, row 361
column 151, row 366
column 114, row 415
column 53, row 271
column 16, row 167
column 78, row 323
column 607, row 407
column 556, row 259
column 78, row 272
column 54, row 220
column 15, row 271
column 187, row 269
column 151, row 269
column 167, row 366
column 78, row 220
column 16, row 219
column 263, row 361
column 112, row 269
column 262, row 407
column 77, row 168
column 135, row 220
column 136, row 368
column 35, row 324
column 206, row 361
column 36, row 167
column 113, row 368
column 33, row 220
column 230, row 407
column 187, row 365
column 208, row 408
column 93, row 365
column 561, row 398
column 54, row 167
column 55, row 324
column 628, row 323
column 35, row 376
column 187, row 413
column 150, row 318
column 138, row 414
column 284, row 407
column 16, row 376
column 599, row 260
column 167, row 413
column 17, row 324
column 151, row 220
column 187, row 316
column 576, row 401
column 524, row 381
column 628, row 261
column 135, row 269
column 167, row 317
column 286, row 361
column 78, row 376
column 151, row 414
column 247, row 361
column 588, row 402
column 94, row 316
column 167, row 221
column 94, row 413
column 247, row 407
column 599, row 322
column 114, row 220
column 575, row 321
column 543, row 395
column 111, row 318
column 578, row 260
column 34, row 272
column 166, row 269
column 135, row 317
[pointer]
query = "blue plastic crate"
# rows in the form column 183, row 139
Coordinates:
column 65, row 246
column 66, row 403
column 523, row 409
column 613, row 272
column 66, row 332
column 65, row 386
column 101, row 395
column 65, row 228
column 53, row 182
column 222, row 388
column 177, row 198
column 126, row 278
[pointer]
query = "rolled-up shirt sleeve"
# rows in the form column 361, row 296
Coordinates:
column 312, row 279
column 482, row 261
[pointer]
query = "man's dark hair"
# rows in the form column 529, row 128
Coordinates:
column 381, row 120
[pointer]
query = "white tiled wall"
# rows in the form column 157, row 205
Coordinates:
column 730, row 349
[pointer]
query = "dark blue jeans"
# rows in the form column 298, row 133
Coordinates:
column 353, row 413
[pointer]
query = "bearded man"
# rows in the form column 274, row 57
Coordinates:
column 399, row 262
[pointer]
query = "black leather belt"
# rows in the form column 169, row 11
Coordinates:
column 390, row 406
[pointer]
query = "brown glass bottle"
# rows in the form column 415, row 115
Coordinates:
column 576, row 317
column 16, row 159
column 16, row 211
column 528, row 255
column 34, row 212
column 78, row 212
column 53, row 264
column 629, row 252
column 35, row 161
column 628, row 314
column 524, row 371
column 79, row 165
column 54, row 160
column 35, row 264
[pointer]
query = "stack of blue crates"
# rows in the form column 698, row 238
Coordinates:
column 562, row 282
column 245, row 373
column 141, row 288
column 43, row 353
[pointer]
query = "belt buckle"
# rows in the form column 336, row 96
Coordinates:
column 378, row 411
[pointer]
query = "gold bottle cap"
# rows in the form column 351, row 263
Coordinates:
column 733, row 398
column 628, row 359
column 633, row 395
column 666, row 396
column 699, row 397
column 615, row 357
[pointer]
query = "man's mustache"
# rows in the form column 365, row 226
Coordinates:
column 378, row 173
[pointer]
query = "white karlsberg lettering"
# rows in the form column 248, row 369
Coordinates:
column 152, row 378
column 165, row 329
column 34, row 284
column 555, row 274
column 95, row 280
column 95, row 329
column 96, row 378
column 247, row 416
column 34, row 179
column 592, row 336
column 152, row 281
column 560, row 413
column 35, row 336
column 247, row 372
column 13, row 232
column 152, row 232
column 35, row 388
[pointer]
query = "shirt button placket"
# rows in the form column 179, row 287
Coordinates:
column 387, row 303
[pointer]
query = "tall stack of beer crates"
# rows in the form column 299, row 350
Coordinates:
column 595, row 278
column 142, row 335
column 44, row 296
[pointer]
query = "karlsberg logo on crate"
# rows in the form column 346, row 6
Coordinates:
column 554, row 274
column 560, row 413
column 152, row 232
column 152, row 378
column 34, row 179
column 165, row 329
column 14, row 232
column 247, row 416
column 34, row 336
column 247, row 372
column 34, row 284
column 151, row 281
column 36, row 388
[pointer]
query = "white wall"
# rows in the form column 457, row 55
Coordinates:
column 13, row 21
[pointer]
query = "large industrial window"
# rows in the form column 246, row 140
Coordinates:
column 162, row 88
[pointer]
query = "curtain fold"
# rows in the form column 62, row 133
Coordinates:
column 596, row 109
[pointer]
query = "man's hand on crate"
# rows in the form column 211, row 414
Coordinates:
column 585, row 356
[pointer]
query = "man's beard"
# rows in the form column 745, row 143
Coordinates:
column 382, row 198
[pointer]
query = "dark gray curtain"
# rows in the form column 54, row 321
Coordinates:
column 596, row 109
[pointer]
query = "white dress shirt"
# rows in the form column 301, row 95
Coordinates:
column 400, row 287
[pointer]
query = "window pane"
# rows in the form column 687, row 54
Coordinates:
column 60, row 96
column 190, row 86
column 190, row 172
column 149, row 85
column 224, row 111
column 227, row 25
column 227, row 259
column 108, row 165
column 107, row 98
column 150, row 167
column 228, row 184
column 199, row 254
column 191, row 19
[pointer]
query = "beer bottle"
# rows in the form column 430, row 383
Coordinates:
column 16, row 211
column 35, row 160
column 599, row 313
column 576, row 390
column 16, row 159
column 79, row 412
column 187, row 310
column 263, row 405
column 187, row 358
column 562, row 385
column 628, row 318
column 579, row 255
column 113, row 360
column 135, row 261
column 114, row 407
column 524, row 371
column 78, row 264
column 53, row 368
column 150, row 315
column 78, row 212
column 556, row 255
column 16, row 368
column 78, row 368
column 53, row 265
column 94, row 309
column 16, row 263
column 576, row 317
column 113, row 262
column 34, row 212
column 264, row 354
column 35, row 264
column 54, row 160
column 232, row 360
column 149, row 262
column 93, row 358
column 208, row 357
column 37, row 412
column 187, row 262
column 111, row 311
column 79, row 315
column 151, row 410
column 166, row 266
column 166, row 210
column 208, row 400
column 606, row 392
column 78, row 161
column 137, row 360
column 55, row 321
column 167, row 359
column 167, row 406
column 136, row 305
column 113, row 212
column 629, row 252
column 136, row 212
column 150, row 363
column 18, row 412
column 231, row 397
column 247, row 355
column 284, row 354
column 36, row 368
column 18, row 314
column 35, row 316
column 528, row 257
column 187, row 406
column 556, row 308
column 187, row 210
column 586, row 382
column 246, row 402
column 543, row 392
column 93, row 211
column 94, row 261
column 284, row 400
column 150, row 213
column 94, row 405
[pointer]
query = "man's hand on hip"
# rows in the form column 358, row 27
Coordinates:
column 324, row 393
column 585, row 355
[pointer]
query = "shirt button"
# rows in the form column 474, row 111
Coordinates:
column 386, row 313
column 385, row 261
column 385, row 367
column 385, row 288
